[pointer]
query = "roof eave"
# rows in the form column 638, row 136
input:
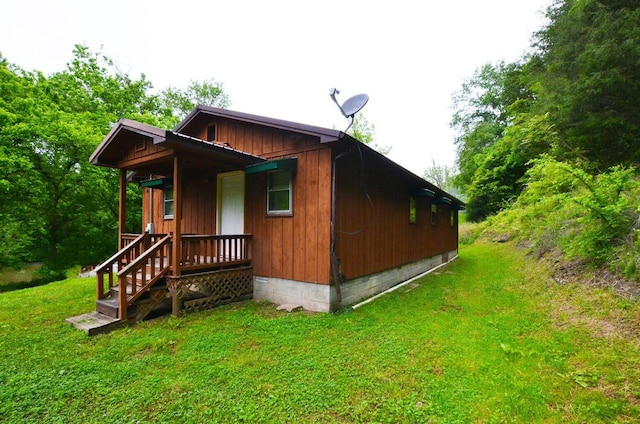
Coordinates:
column 324, row 134
column 157, row 134
column 430, row 186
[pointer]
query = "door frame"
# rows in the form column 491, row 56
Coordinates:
column 219, row 205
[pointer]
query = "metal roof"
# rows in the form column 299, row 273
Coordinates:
column 171, row 138
column 177, row 138
column 326, row 135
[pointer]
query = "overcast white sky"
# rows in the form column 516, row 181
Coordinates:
column 280, row 58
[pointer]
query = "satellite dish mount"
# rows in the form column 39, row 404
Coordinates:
column 351, row 106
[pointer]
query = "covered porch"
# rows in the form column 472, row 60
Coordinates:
column 194, row 250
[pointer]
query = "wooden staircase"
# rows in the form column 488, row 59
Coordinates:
column 150, row 301
column 131, row 284
column 134, row 283
column 142, row 265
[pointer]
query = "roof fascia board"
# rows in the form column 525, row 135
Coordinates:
column 158, row 135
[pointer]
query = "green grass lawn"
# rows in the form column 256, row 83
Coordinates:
column 490, row 338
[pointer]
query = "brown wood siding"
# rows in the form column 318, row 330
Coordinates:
column 198, row 208
column 139, row 149
column 257, row 140
column 372, row 220
column 293, row 247
column 290, row 247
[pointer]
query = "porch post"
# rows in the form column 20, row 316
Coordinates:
column 122, row 208
column 177, row 215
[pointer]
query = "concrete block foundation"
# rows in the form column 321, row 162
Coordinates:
column 323, row 297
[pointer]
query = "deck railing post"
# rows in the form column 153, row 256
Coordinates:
column 123, row 305
column 177, row 215
column 122, row 206
column 100, row 287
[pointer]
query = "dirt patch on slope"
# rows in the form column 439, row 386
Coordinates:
column 578, row 272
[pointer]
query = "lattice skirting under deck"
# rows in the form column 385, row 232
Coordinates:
column 197, row 292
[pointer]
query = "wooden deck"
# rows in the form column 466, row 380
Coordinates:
column 133, row 281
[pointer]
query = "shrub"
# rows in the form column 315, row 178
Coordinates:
column 591, row 217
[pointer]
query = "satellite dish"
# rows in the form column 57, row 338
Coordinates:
column 354, row 104
column 351, row 106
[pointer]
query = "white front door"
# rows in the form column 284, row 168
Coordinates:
column 231, row 203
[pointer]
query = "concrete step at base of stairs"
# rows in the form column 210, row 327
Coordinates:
column 95, row 323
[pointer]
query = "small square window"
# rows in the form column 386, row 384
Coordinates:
column 279, row 193
column 168, row 202
column 413, row 216
column 434, row 214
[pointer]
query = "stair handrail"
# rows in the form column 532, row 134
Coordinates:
column 140, row 264
column 108, row 264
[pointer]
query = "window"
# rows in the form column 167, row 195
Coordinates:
column 453, row 217
column 434, row 214
column 211, row 133
column 168, row 202
column 279, row 193
column 413, row 217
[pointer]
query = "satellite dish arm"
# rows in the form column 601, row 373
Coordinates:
column 350, row 123
column 333, row 93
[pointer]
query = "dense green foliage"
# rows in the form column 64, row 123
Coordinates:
column 490, row 338
column 566, row 116
column 57, row 208
column 576, row 97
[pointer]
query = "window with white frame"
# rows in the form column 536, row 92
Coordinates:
column 279, row 193
column 168, row 202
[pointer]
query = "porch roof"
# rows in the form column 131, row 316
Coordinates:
column 111, row 152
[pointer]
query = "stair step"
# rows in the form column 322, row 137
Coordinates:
column 109, row 307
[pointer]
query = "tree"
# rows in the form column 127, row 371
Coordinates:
column 491, row 158
column 57, row 207
column 590, row 84
column 442, row 176
column 15, row 89
column 183, row 101
column 575, row 97
column 365, row 132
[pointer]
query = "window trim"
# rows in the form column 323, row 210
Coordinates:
column 289, row 189
column 166, row 201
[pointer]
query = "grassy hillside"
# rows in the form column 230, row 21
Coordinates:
column 490, row 338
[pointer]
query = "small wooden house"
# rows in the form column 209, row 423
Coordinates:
column 237, row 205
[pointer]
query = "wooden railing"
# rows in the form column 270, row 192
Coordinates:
column 206, row 252
column 144, row 259
column 131, row 247
column 137, row 277
column 127, row 238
